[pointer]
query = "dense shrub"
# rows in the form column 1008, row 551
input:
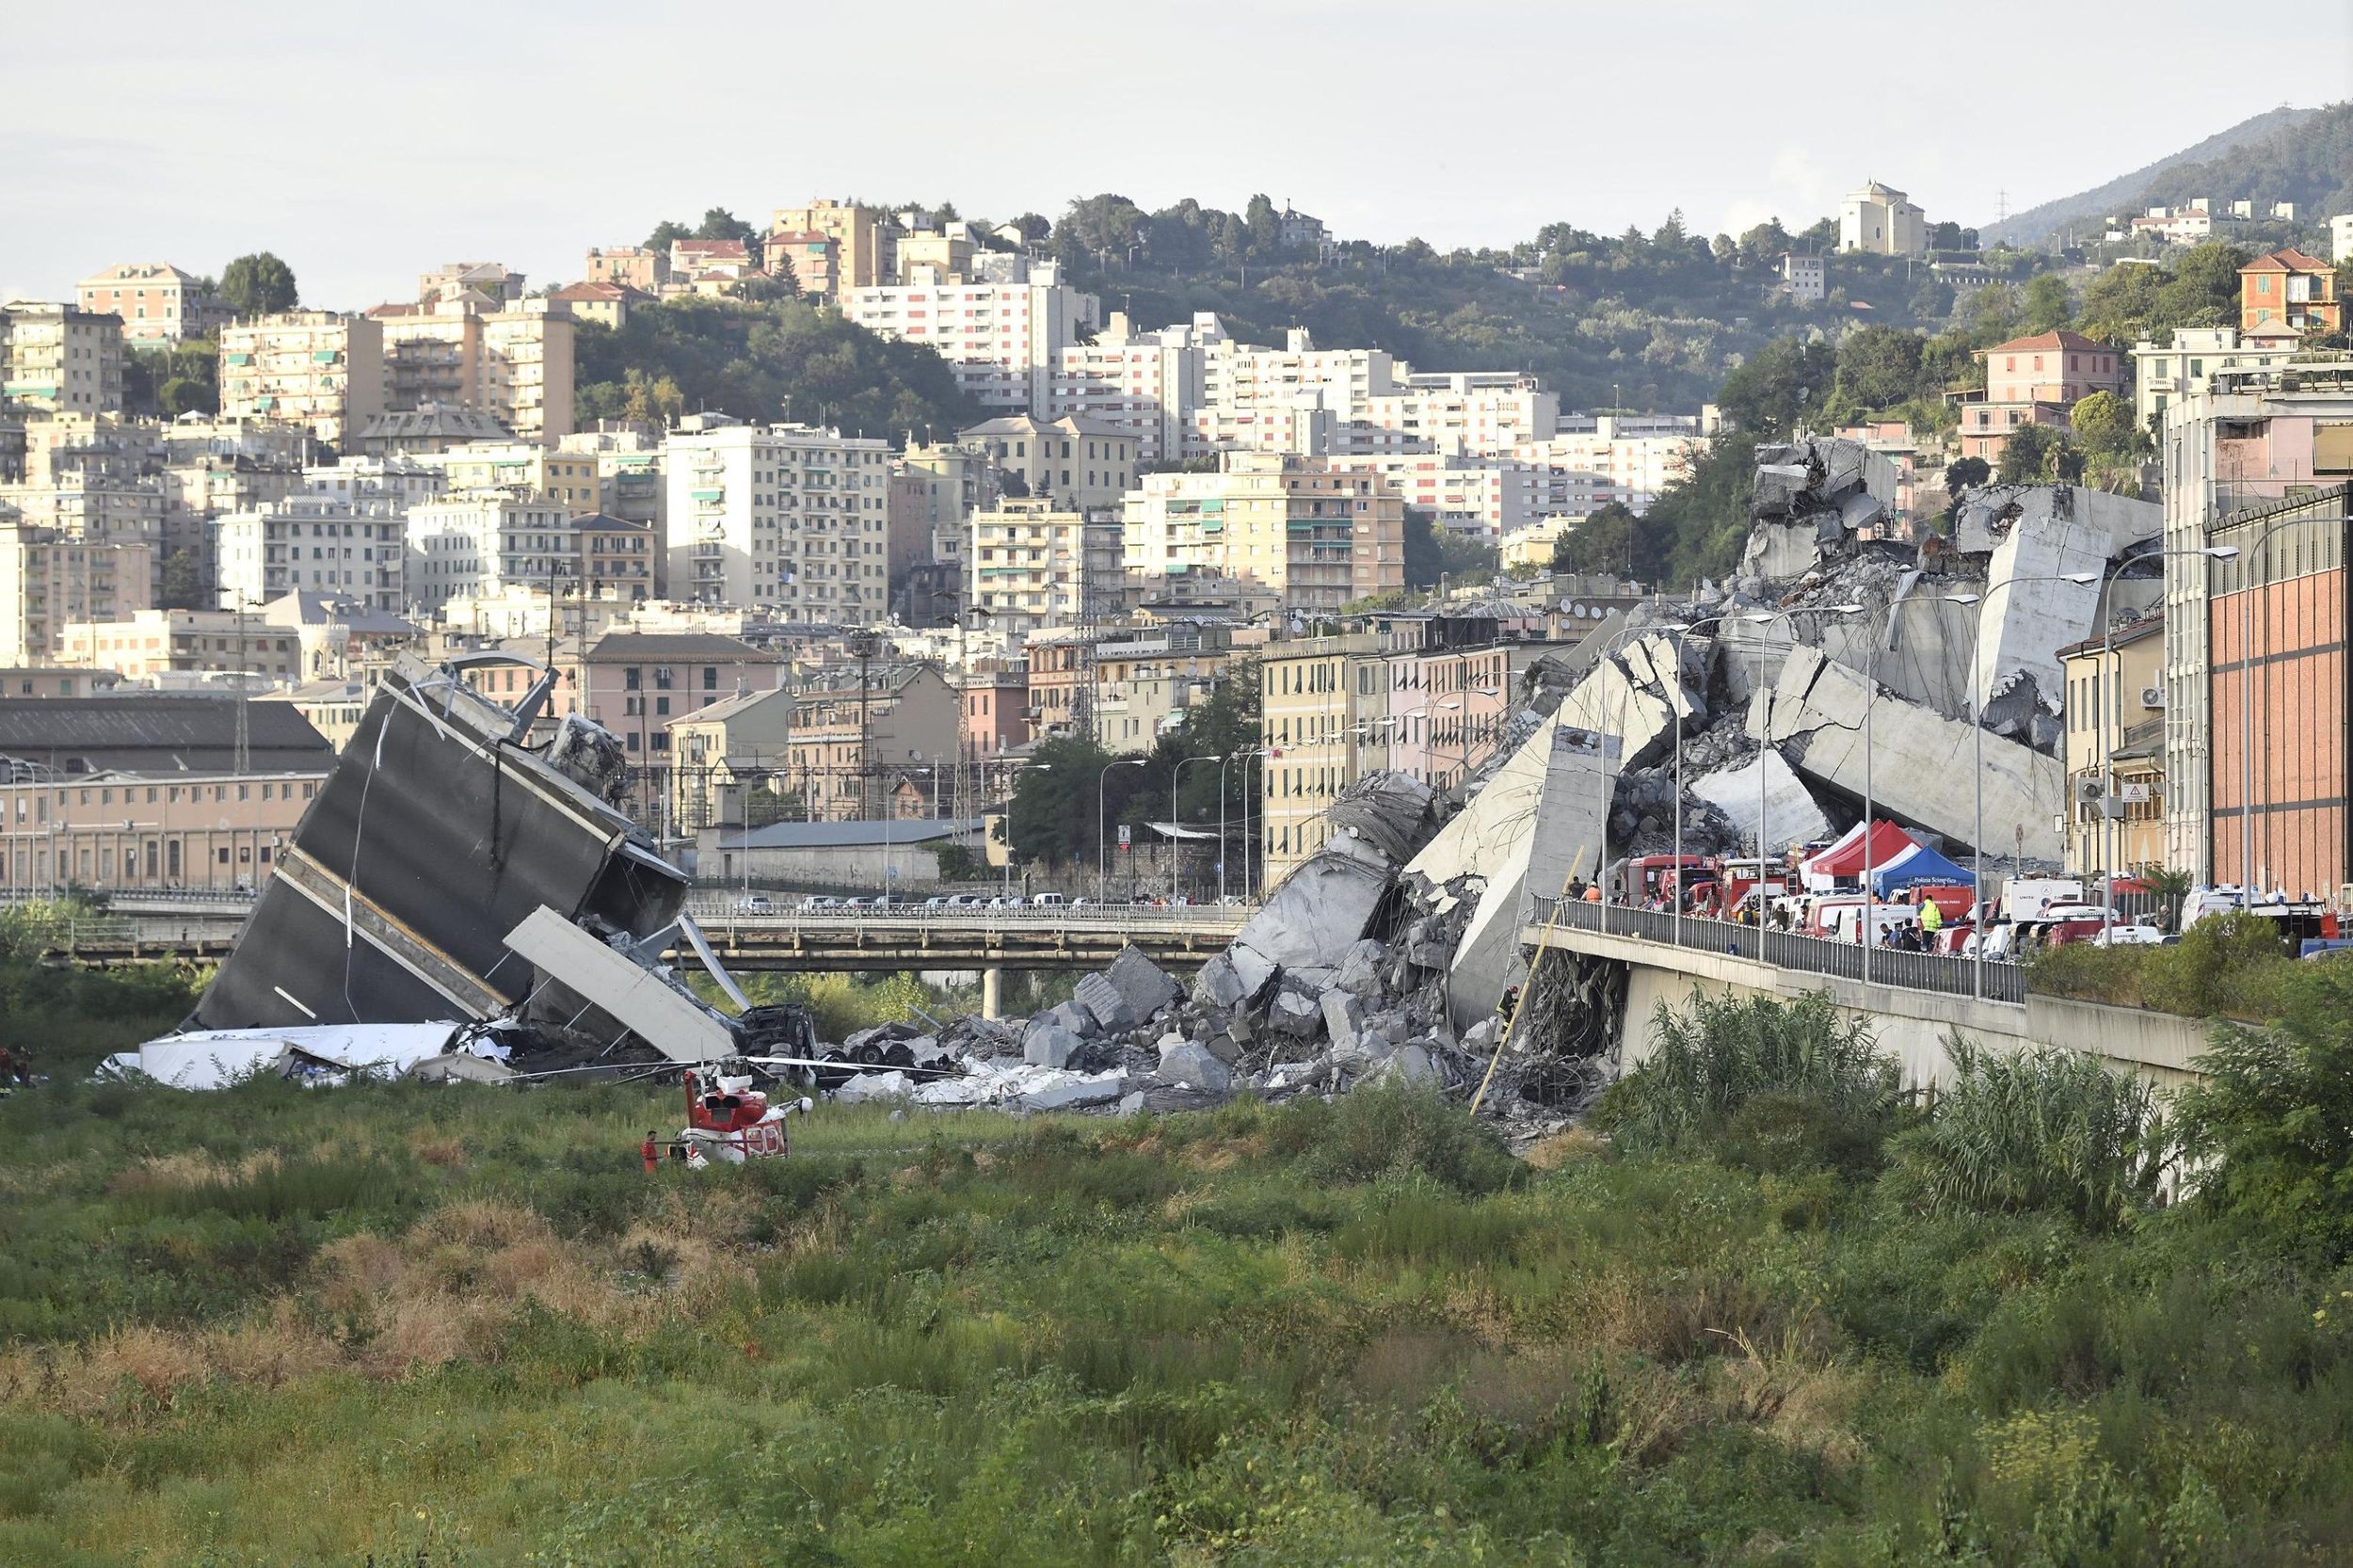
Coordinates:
column 2044, row 1129
column 1833, row 1094
column 2269, row 1130
column 1401, row 1129
column 2231, row 966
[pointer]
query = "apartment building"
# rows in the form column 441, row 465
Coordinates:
column 1881, row 221
column 313, row 368
column 853, row 731
column 1482, row 497
column 1315, row 697
column 860, row 236
column 1287, row 399
column 49, row 581
column 2279, row 686
column 1036, row 565
column 129, row 832
column 2164, row 374
column 2035, row 380
column 814, row 258
column 787, row 517
column 2114, row 748
column 606, row 304
column 1321, row 537
column 56, row 358
column 1592, row 461
column 1003, row 340
column 1804, row 278
column 156, row 301
column 493, row 282
column 2253, row 441
column 313, row 543
column 616, row 557
column 483, row 541
column 2292, row 288
column 1075, row 463
column 389, row 483
column 513, row 363
column 1484, row 414
column 719, row 751
column 94, row 505
column 148, row 643
column 55, row 681
column 996, row 702
column 629, row 266
column 1150, row 384
column 630, row 483
column 571, row 479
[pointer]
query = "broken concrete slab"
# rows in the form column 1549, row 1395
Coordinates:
column 1408, row 1064
column 1924, row 768
column 1359, row 972
column 1635, row 696
column 1791, row 815
column 1073, row 1092
column 1145, row 984
column 1295, row 1013
column 1189, row 1064
column 1106, row 1003
column 1050, row 1045
column 875, row 1086
column 647, row 1001
column 1343, row 1017
column 2030, row 534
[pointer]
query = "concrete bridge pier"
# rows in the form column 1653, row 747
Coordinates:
column 992, row 993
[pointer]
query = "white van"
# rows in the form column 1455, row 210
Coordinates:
column 1045, row 900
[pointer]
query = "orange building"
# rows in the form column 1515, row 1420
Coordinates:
column 2292, row 287
column 2282, row 722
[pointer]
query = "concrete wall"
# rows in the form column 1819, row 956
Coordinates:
column 1914, row 1026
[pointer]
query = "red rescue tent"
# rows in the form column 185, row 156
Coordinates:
column 1846, row 859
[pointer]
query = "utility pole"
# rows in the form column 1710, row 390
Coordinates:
column 864, row 643
column 244, row 763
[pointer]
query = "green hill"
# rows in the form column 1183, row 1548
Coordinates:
column 2284, row 154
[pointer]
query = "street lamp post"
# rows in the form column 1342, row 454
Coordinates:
column 1174, row 777
column 1760, row 619
column 1042, row 767
column 1976, row 763
column 1103, row 830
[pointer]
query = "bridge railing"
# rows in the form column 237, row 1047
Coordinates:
column 1940, row 972
column 916, row 921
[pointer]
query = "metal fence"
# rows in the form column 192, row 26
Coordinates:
column 1940, row 972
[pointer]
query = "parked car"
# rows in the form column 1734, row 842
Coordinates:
column 1005, row 900
column 816, row 902
column 755, row 904
column 966, row 901
column 935, row 903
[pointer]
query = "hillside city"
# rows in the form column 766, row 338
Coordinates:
column 860, row 884
column 209, row 490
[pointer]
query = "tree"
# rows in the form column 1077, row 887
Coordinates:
column 2202, row 290
column 2030, row 456
column 1966, row 473
column 666, row 233
column 1266, row 229
column 1599, row 545
column 2046, row 305
column 258, row 285
column 2106, row 426
column 1780, row 388
column 184, row 586
column 1051, row 817
column 1879, row 367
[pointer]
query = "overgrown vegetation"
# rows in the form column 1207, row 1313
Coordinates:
column 456, row 1326
column 2227, row 966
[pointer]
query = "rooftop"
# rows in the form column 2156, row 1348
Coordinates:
column 630, row 647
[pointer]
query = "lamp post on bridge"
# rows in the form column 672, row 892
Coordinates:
column 1102, row 828
column 1174, row 777
column 1762, row 618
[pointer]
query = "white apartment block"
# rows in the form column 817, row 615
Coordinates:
column 95, row 507
column 2340, row 238
column 55, row 359
column 312, row 544
column 1481, row 498
column 314, row 368
column 1004, row 340
column 149, row 643
column 1482, row 413
column 1603, row 465
column 1255, row 398
column 486, row 542
column 158, row 302
column 514, row 364
column 787, row 517
column 1148, row 384
column 2162, row 376
column 1804, row 278
column 48, row 582
column 395, row 483
column 1317, row 535
column 1036, row 565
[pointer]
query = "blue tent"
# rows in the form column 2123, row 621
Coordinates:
column 1917, row 867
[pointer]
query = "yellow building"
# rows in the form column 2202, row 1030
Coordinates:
column 856, row 231
column 1320, row 703
column 60, row 360
column 513, row 363
column 48, row 582
column 2115, row 747
column 313, row 368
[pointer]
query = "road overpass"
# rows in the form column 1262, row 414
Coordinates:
column 1915, row 1003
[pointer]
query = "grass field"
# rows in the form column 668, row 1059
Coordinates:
column 442, row 1326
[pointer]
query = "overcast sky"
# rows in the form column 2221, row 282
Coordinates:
column 367, row 144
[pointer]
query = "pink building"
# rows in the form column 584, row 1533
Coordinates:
column 2050, row 367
